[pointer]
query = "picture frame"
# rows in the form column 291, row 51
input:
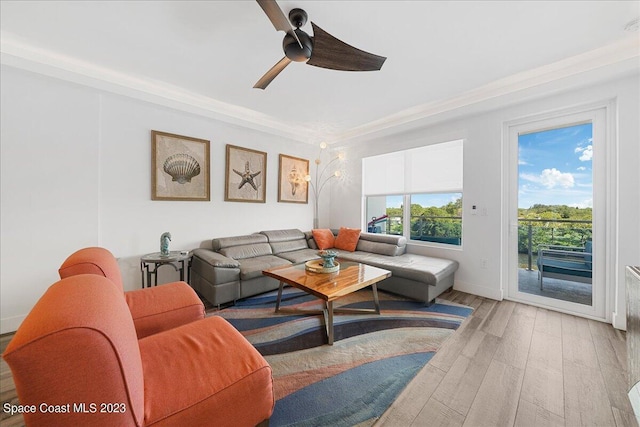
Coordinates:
column 292, row 185
column 245, row 175
column 180, row 167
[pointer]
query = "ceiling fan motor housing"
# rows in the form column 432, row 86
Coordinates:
column 292, row 49
column 298, row 17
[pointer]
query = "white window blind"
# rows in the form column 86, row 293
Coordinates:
column 383, row 174
column 434, row 168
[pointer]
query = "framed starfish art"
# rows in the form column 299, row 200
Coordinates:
column 246, row 175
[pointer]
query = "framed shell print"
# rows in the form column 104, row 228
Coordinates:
column 292, row 185
column 179, row 167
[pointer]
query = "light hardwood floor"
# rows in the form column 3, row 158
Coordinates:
column 509, row 364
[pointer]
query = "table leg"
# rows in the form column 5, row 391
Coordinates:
column 148, row 277
column 142, row 273
column 279, row 296
column 375, row 298
column 330, row 322
column 182, row 271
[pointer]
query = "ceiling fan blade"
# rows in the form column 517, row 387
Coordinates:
column 278, row 18
column 329, row 52
column 272, row 73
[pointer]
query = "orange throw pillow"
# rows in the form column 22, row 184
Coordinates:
column 347, row 239
column 324, row 238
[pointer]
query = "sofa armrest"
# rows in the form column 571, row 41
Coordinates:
column 163, row 307
column 382, row 244
column 216, row 259
column 216, row 377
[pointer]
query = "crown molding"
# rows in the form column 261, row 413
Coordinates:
column 621, row 54
column 24, row 56
column 27, row 57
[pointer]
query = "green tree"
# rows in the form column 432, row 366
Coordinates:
column 554, row 225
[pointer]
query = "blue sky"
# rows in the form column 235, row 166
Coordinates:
column 555, row 167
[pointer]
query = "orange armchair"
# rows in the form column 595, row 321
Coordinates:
column 76, row 360
column 153, row 309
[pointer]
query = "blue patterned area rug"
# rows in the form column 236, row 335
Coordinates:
column 372, row 360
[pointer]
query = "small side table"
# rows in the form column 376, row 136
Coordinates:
column 178, row 260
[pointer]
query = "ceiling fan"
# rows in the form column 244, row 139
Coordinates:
column 321, row 50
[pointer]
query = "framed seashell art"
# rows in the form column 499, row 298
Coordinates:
column 245, row 175
column 179, row 167
column 292, row 183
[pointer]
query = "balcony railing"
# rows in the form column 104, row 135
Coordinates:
column 439, row 229
column 563, row 232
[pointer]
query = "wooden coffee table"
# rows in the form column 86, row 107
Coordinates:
column 328, row 287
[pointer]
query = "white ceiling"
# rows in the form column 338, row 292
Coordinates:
column 210, row 53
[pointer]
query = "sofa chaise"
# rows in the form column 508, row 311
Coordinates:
column 232, row 268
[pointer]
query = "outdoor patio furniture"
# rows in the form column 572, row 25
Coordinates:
column 565, row 262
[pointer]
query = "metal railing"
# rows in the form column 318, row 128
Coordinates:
column 439, row 229
column 535, row 232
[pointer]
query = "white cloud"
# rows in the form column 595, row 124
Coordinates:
column 587, row 153
column 551, row 178
column 582, row 168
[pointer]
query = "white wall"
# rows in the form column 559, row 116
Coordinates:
column 483, row 181
column 76, row 172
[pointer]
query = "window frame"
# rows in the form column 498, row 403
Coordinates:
column 407, row 195
column 428, row 242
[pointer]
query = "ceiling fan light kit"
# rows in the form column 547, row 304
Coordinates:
column 322, row 50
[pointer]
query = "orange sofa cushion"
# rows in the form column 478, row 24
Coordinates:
column 163, row 307
column 347, row 239
column 217, row 377
column 324, row 238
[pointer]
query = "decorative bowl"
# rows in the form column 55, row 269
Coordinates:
column 328, row 258
column 317, row 266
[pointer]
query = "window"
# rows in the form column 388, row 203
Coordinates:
column 437, row 218
column 428, row 180
column 385, row 214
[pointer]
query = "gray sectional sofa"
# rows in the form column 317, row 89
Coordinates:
column 232, row 268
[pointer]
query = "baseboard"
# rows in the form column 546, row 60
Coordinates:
column 481, row 291
column 618, row 322
column 10, row 324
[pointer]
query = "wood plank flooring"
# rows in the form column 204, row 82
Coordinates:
column 509, row 364
column 512, row 364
